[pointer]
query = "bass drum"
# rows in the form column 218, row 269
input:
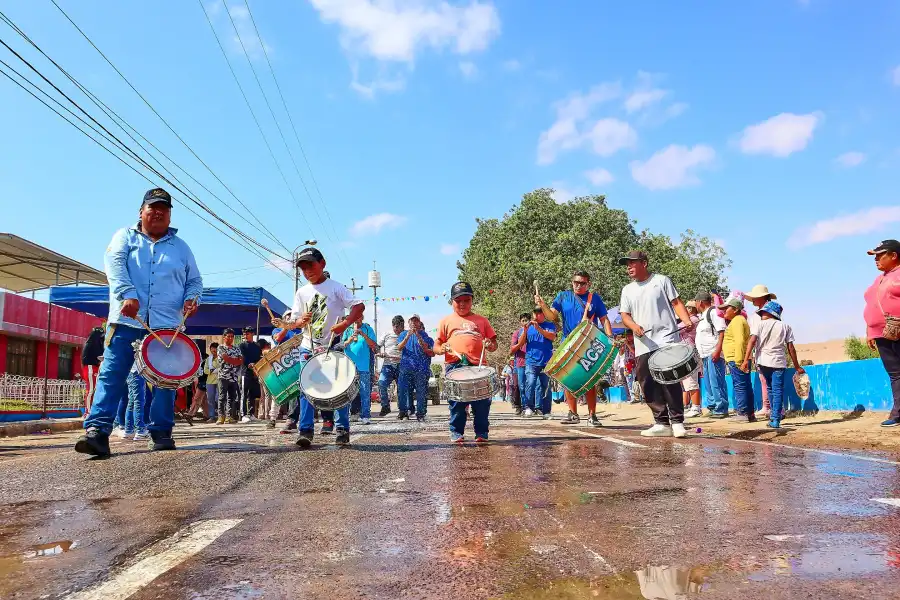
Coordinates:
column 329, row 380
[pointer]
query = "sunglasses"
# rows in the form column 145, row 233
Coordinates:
column 579, row 283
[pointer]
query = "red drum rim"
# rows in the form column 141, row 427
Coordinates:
column 179, row 338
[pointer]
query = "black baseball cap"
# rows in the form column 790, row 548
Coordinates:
column 157, row 195
column 249, row 329
column 633, row 255
column 309, row 255
column 228, row 330
column 537, row 309
column 461, row 288
column 886, row 246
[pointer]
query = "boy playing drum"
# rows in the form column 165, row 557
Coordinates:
column 464, row 337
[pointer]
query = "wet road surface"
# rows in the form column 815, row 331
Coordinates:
column 545, row 511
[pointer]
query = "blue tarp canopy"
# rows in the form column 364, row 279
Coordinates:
column 219, row 307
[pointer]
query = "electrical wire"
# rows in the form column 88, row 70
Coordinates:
column 170, row 128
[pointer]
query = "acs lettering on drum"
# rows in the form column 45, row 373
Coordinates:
column 294, row 357
column 594, row 353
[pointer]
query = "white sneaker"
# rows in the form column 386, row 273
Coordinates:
column 119, row 432
column 528, row 412
column 658, row 430
column 365, row 421
column 354, row 418
column 245, row 419
column 678, row 430
column 691, row 412
column 141, row 435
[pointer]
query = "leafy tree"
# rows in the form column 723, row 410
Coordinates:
column 857, row 349
column 541, row 240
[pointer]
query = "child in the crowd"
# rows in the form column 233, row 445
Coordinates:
column 737, row 334
column 690, row 385
column 772, row 336
column 464, row 337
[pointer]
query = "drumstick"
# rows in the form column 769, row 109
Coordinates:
column 153, row 333
column 587, row 306
column 180, row 327
column 265, row 303
column 536, row 291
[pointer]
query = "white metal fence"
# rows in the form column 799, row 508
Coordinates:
column 18, row 393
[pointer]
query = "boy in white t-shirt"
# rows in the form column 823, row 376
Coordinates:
column 775, row 341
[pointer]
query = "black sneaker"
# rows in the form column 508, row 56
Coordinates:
column 594, row 421
column 327, row 428
column 420, row 418
column 305, row 440
column 272, row 424
column 519, row 412
column 161, row 441
column 385, row 411
column 402, row 415
column 93, row 442
column 571, row 419
column 342, row 437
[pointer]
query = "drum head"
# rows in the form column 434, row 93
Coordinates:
column 327, row 376
column 671, row 356
column 469, row 373
column 176, row 363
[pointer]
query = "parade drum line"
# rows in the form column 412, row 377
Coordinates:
column 583, row 359
column 674, row 362
column 168, row 359
column 467, row 384
column 279, row 370
column 329, row 380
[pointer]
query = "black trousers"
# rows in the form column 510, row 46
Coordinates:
column 890, row 358
column 228, row 398
column 665, row 401
column 250, row 391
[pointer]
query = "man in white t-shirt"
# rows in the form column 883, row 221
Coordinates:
column 710, row 336
column 648, row 306
column 758, row 296
column 318, row 310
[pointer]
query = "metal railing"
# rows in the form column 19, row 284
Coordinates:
column 20, row 393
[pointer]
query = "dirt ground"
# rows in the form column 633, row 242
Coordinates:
column 821, row 353
column 831, row 430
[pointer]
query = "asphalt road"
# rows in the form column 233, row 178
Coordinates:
column 543, row 512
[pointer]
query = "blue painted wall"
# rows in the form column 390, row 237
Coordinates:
column 837, row 386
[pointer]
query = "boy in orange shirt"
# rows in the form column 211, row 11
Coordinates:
column 462, row 337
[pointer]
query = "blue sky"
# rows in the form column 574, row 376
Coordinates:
column 772, row 127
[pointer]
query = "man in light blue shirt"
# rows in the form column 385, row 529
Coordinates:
column 359, row 344
column 152, row 275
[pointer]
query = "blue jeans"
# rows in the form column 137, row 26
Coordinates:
column 112, row 385
column 716, row 390
column 537, row 384
column 212, row 400
column 365, row 395
column 389, row 374
column 481, row 410
column 134, row 414
column 413, row 385
column 775, row 383
column 520, row 380
column 308, row 411
column 744, row 403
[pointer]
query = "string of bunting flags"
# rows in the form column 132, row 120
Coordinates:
column 416, row 298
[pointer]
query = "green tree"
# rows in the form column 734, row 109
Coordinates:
column 544, row 241
column 857, row 349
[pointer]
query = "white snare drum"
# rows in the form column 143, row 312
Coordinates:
column 466, row 384
column 672, row 363
column 329, row 380
column 169, row 368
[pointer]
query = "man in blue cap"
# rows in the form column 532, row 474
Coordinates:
column 152, row 276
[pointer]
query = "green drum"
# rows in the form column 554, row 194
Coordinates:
column 583, row 359
column 279, row 370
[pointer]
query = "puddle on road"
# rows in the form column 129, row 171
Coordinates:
column 655, row 583
column 832, row 556
column 51, row 549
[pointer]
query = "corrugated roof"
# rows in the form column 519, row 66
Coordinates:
column 26, row 266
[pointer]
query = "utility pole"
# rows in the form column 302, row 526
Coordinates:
column 375, row 283
column 353, row 287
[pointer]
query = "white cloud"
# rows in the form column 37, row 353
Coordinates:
column 566, row 132
column 781, row 135
column 562, row 193
column 450, row 249
column 608, row 136
column 396, row 31
column 672, row 167
column 865, row 221
column 675, row 110
column 850, row 159
column 895, row 76
column 641, row 99
column 599, row 176
column 511, row 65
column 468, row 69
column 373, row 224
column 381, row 83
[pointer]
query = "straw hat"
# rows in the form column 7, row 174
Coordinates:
column 760, row 291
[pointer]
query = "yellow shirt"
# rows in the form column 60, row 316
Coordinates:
column 737, row 334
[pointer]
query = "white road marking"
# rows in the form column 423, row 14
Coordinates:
column 784, row 538
column 157, row 559
column 609, row 439
column 891, row 501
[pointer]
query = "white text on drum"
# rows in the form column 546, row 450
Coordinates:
column 592, row 355
column 287, row 361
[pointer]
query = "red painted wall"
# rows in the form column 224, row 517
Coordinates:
column 2, row 353
column 52, row 362
column 25, row 317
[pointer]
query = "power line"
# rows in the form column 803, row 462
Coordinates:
column 106, row 134
column 253, row 114
column 175, row 133
column 293, row 128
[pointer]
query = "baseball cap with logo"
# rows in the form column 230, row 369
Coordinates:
column 461, row 288
column 157, row 195
column 310, row 255
column 633, row 255
column 886, row 246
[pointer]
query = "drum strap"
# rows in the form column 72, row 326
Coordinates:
column 109, row 337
